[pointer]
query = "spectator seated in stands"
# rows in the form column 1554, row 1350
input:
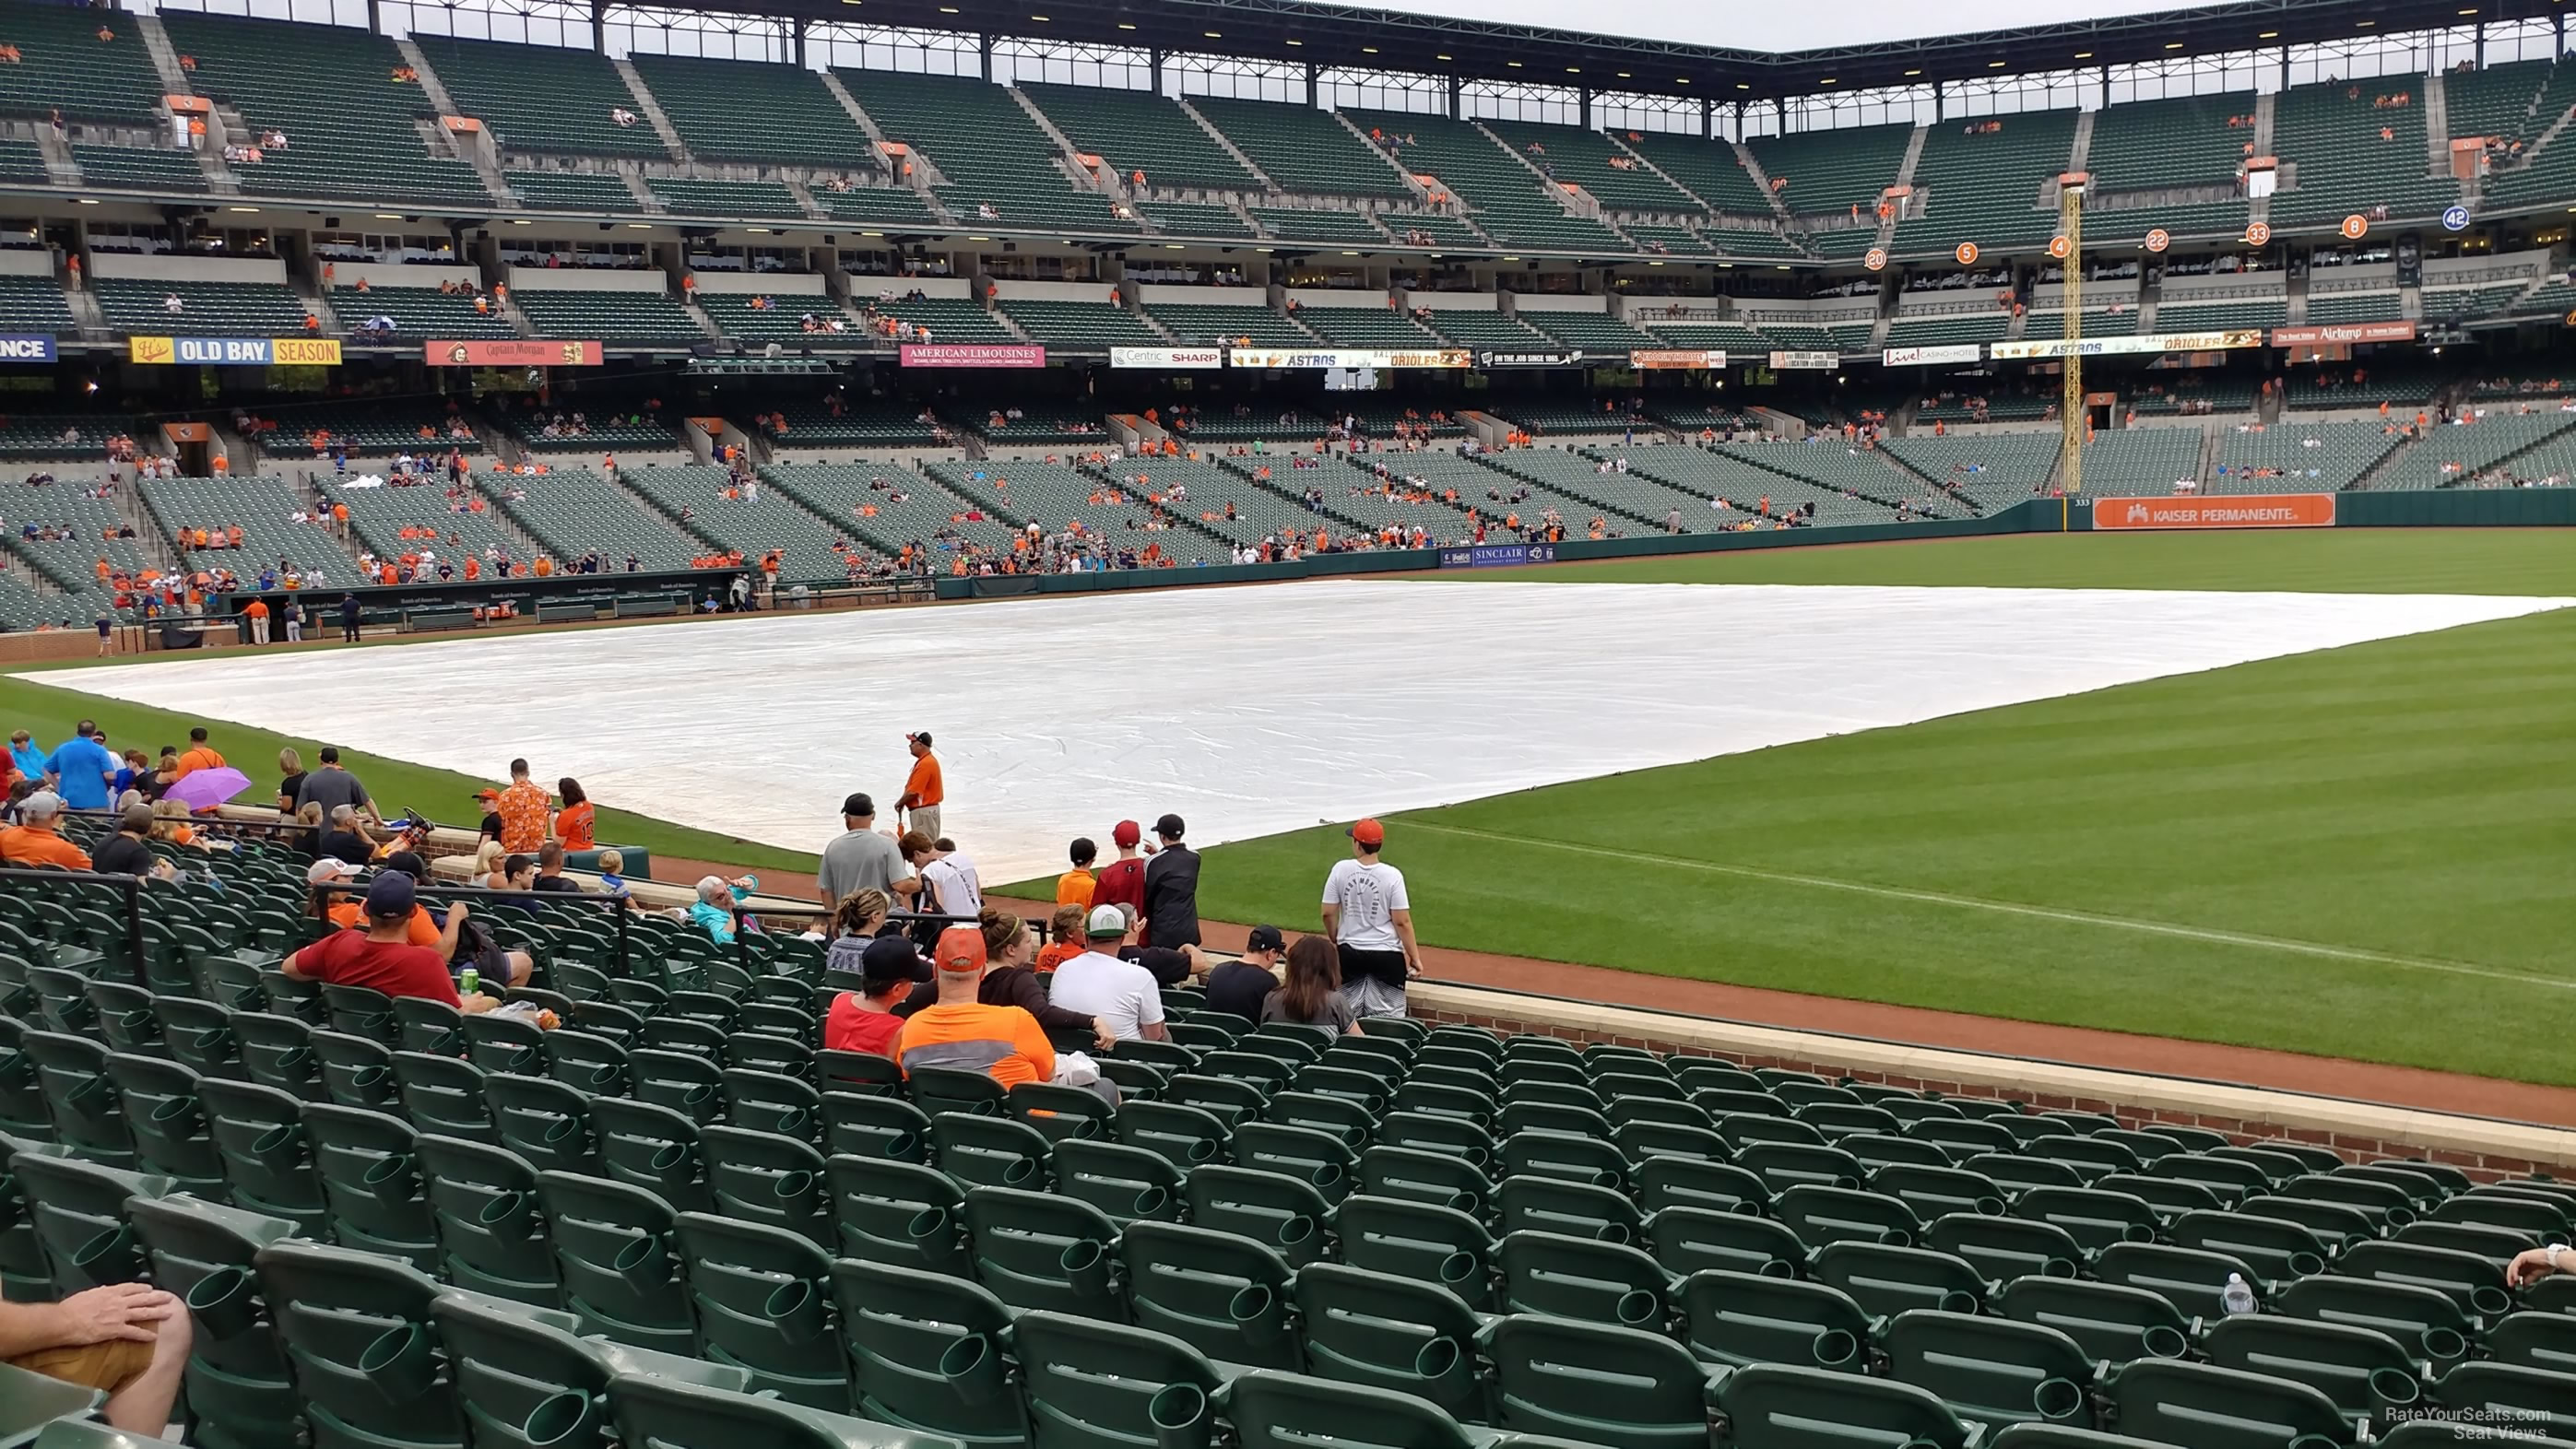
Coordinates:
column 36, row 838
column 129, row 1341
column 381, row 956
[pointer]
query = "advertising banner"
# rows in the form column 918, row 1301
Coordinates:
column 1805, row 361
column 26, row 348
column 234, row 351
column 1947, row 353
column 2112, row 346
column 2343, row 332
column 522, row 352
column 2251, row 510
column 1185, row 357
column 1347, row 358
column 1567, row 357
column 973, row 354
column 1676, row 360
column 1497, row 555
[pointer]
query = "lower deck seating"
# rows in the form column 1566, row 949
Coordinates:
column 265, row 510
column 576, row 513
column 752, row 523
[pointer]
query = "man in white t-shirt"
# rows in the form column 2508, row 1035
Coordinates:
column 1119, row 995
column 1369, row 917
column 949, row 885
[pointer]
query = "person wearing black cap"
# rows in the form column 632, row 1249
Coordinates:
column 1171, row 890
column 1239, row 986
column 381, row 956
column 860, row 858
column 875, row 978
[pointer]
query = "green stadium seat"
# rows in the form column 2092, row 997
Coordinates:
column 541, row 98
column 1991, row 1371
column 2172, row 1401
column 1039, row 1251
column 1742, row 1319
column 1885, row 1279
column 729, row 110
column 2113, row 1323
column 671, row 1414
column 1622, row 1388
column 613, row 1245
column 927, row 1352
column 1392, row 1333
column 1781, row 1406
column 1096, row 1384
column 64, row 67
column 159, row 1102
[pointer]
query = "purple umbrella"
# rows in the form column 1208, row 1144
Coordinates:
column 206, row 789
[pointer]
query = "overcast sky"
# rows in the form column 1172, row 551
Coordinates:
column 1774, row 27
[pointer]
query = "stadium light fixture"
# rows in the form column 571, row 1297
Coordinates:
column 1368, row 49
column 1741, row 86
column 1916, row 71
column 1681, row 80
column 1296, row 42
column 639, row 226
column 89, row 201
column 1623, row 75
column 2173, row 45
column 1994, row 65
column 1514, row 64
column 1212, row 35
column 2080, row 55
column 947, row 9
column 1829, row 80
column 1574, row 70
column 388, row 216
column 252, row 209
column 864, row 233
column 1123, row 25
column 1042, row 19
column 1444, row 57
column 2359, row 24
column 1171, row 246
column 519, row 221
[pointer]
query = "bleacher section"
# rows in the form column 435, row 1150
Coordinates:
column 1597, row 333
column 71, row 564
column 2135, row 462
column 1345, row 228
column 2170, row 144
column 2548, row 175
column 2206, row 313
column 64, row 66
column 2452, row 455
column 378, row 516
column 589, row 430
column 909, row 510
column 1506, row 199
column 736, row 110
column 1826, row 173
column 1056, row 496
column 2296, row 458
column 1580, row 157
column 1135, row 131
column 1746, row 473
column 874, row 205
column 2373, row 306
column 1709, row 170
column 1479, row 327
column 34, row 304
column 783, row 322
column 139, row 168
column 1991, row 470
column 636, row 319
column 1302, row 149
column 1366, row 327
column 24, row 607
column 418, row 313
column 1204, row 325
column 750, row 200
column 2460, row 305
column 366, row 430
column 207, row 309
column 1640, row 502
column 950, row 319
column 1079, row 324
column 572, row 191
column 1926, row 329
column 541, row 98
column 1443, row 229
column 769, row 519
column 2501, row 100
column 574, row 512
column 1984, row 186
column 2345, row 165
column 349, row 126
column 860, row 423
column 264, row 509
column 2098, row 322
column 986, row 147
column 1183, row 218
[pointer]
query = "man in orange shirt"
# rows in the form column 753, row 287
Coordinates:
column 524, row 810
column 923, row 790
column 256, row 611
column 962, row 1034
column 33, row 842
column 199, row 755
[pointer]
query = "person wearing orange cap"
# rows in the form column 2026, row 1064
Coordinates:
column 1370, row 921
column 961, row 1033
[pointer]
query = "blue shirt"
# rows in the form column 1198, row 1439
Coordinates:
column 85, row 766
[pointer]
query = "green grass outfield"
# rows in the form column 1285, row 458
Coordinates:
column 442, row 795
column 2362, row 852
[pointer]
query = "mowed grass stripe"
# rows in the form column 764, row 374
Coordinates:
column 2016, row 908
column 2405, row 799
column 2322, row 560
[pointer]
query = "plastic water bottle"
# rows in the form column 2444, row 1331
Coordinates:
column 2236, row 1297
column 470, row 981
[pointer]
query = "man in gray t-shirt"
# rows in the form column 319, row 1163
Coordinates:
column 859, row 860
column 332, row 787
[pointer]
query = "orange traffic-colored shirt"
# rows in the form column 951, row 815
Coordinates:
column 924, row 784
column 420, row 931
column 202, row 757
column 575, row 826
column 39, row 845
column 1073, row 888
column 1003, row 1042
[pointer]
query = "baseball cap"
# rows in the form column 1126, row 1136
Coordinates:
column 487, row 794
column 1126, row 833
column 326, row 870
column 391, row 894
column 892, row 958
column 1169, row 827
column 1105, row 922
column 1369, row 833
column 859, row 804
column 961, row 949
column 1264, row 938
column 408, row 862
column 43, row 805
column 922, row 737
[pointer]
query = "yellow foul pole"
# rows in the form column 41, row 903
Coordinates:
column 2070, row 215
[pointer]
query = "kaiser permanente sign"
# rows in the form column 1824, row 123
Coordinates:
column 235, row 351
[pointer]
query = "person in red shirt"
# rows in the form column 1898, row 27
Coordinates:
column 1122, row 881
column 381, row 957
column 862, row 1018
